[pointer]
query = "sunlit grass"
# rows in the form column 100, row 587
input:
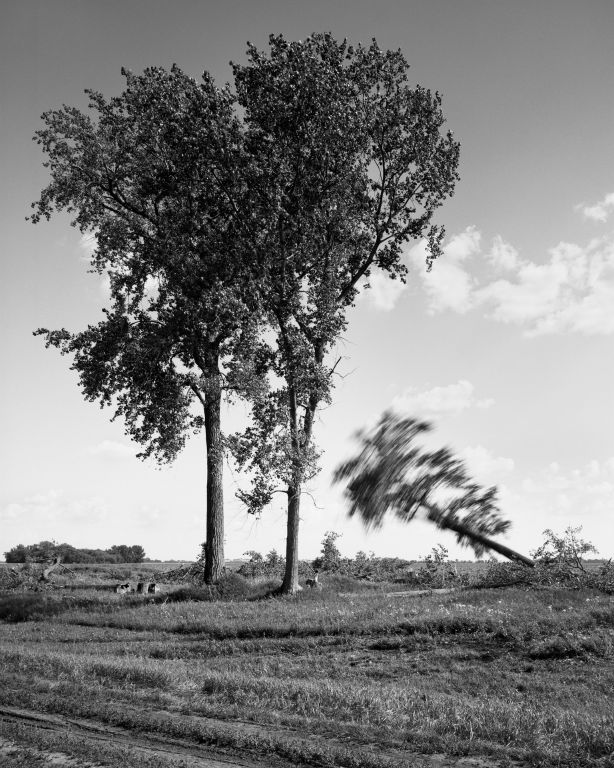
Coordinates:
column 509, row 673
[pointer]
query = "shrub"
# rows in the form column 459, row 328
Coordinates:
column 232, row 586
column 564, row 550
column 258, row 567
column 270, row 567
column 330, row 559
column 24, row 606
column 603, row 580
column 46, row 550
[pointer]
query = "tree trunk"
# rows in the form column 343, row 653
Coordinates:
column 301, row 439
column 290, row 583
column 214, row 543
column 459, row 527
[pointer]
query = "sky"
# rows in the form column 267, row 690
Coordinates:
column 506, row 346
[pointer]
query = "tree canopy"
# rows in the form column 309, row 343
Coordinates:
column 154, row 176
column 353, row 165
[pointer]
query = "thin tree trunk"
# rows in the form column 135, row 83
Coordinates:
column 214, row 544
column 301, row 439
column 290, row 583
column 458, row 527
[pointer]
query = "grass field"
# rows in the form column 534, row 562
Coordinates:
column 505, row 676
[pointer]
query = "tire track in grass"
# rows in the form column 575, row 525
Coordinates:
column 333, row 752
column 191, row 754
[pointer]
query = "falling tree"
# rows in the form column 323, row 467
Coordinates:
column 393, row 473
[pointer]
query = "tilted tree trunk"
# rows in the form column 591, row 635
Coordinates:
column 457, row 526
column 214, row 543
column 391, row 473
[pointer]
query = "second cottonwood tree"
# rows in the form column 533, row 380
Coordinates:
column 352, row 163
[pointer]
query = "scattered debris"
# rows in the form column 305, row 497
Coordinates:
column 193, row 572
column 32, row 576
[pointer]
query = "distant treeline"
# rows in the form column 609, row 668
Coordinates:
column 47, row 550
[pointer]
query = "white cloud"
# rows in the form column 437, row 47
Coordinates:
column 598, row 212
column 502, row 255
column 533, row 295
column 110, row 449
column 384, row 292
column 571, row 291
column 450, row 399
column 588, row 490
column 449, row 285
column 462, row 246
column 483, row 463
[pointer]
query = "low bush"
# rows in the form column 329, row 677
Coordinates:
column 26, row 606
column 232, row 586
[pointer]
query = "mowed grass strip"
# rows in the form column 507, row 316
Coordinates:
column 420, row 718
column 522, row 616
column 506, row 673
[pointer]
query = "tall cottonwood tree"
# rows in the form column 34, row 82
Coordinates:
column 154, row 175
column 393, row 473
column 352, row 163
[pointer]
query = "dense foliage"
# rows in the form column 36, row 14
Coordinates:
column 151, row 174
column 47, row 550
column 353, row 163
